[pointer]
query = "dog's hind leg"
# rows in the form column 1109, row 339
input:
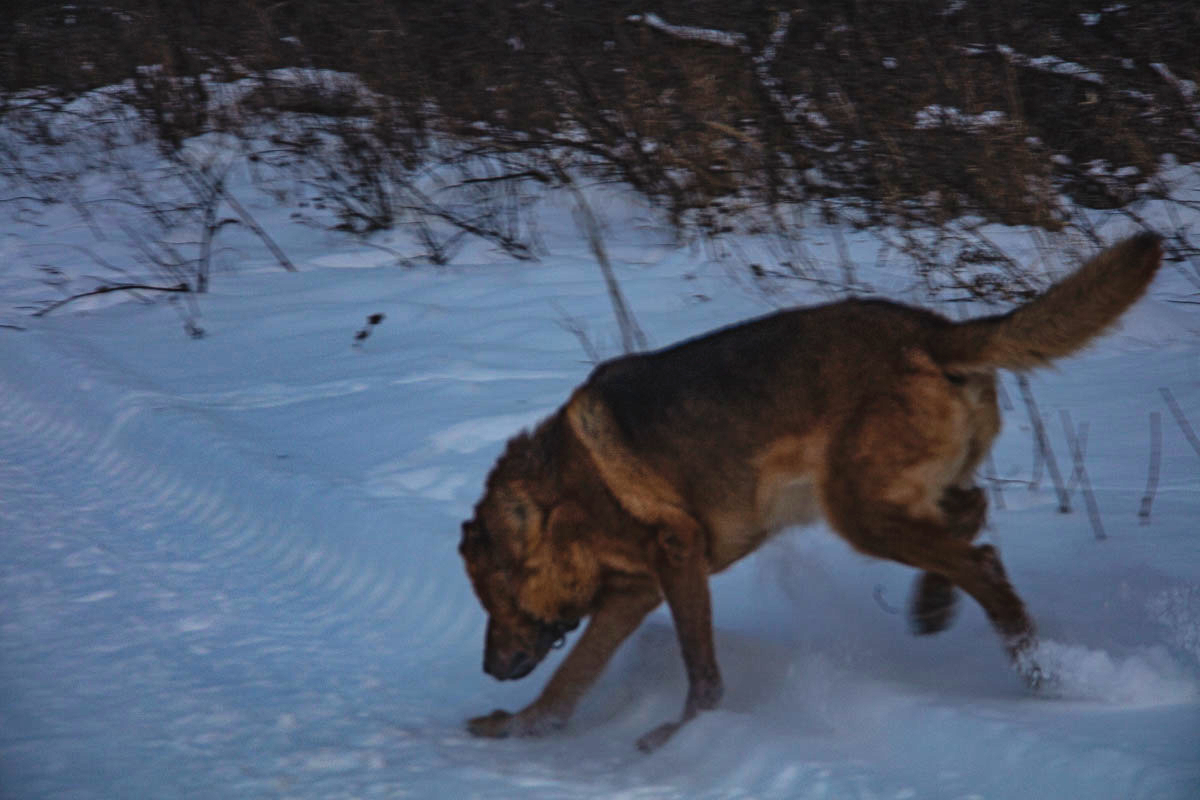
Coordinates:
column 933, row 604
column 934, row 599
column 621, row 611
column 884, row 489
column 889, row 531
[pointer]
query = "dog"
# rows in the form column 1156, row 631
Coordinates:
column 666, row 467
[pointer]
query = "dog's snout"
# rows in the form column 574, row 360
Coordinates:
column 510, row 652
column 510, row 666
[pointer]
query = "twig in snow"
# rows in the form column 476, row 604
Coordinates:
column 844, row 257
column 218, row 189
column 1039, row 462
column 121, row 287
column 1077, row 446
column 1043, row 445
column 994, row 481
column 632, row 337
column 253, row 225
column 1180, row 419
column 1076, row 443
column 1002, row 395
column 361, row 335
column 204, row 264
column 1155, row 463
column 167, row 259
column 882, row 601
column 1185, row 249
column 574, row 327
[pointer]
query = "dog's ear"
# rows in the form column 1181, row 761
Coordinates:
column 570, row 536
column 564, row 572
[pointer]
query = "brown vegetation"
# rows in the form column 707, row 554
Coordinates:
column 908, row 114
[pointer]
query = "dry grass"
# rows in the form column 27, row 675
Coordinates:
column 907, row 114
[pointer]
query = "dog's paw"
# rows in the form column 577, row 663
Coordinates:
column 1041, row 682
column 495, row 725
column 933, row 604
column 1024, row 653
column 500, row 723
column 657, row 737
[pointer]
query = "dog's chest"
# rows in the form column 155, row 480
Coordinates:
column 788, row 501
column 782, row 501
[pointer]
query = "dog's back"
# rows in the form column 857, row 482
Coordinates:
column 739, row 420
column 798, row 366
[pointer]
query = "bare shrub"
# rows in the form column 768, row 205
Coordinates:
column 445, row 116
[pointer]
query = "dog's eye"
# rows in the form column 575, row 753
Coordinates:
column 517, row 513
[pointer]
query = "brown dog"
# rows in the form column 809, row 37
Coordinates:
column 666, row 467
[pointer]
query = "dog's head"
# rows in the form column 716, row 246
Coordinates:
column 530, row 563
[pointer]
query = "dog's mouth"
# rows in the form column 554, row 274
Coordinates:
column 520, row 661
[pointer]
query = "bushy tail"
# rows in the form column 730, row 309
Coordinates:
column 1060, row 321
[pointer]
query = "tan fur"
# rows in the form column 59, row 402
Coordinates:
column 1062, row 320
column 666, row 467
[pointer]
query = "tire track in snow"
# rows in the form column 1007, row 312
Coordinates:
column 290, row 561
column 339, row 610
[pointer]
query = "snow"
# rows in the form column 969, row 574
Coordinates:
column 1052, row 64
column 936, row 116
column 723, row 38
column 228, row 565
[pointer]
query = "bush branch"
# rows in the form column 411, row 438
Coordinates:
column 119, row 287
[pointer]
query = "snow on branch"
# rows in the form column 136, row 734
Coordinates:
column 762, row 61
column 1186, row 88
column 723, row 38
column 1051, row 64
column 938, row 116
column 691, row 33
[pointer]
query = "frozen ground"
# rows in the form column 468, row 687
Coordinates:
column 228, row 566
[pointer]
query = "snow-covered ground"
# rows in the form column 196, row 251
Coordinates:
column 228, row 565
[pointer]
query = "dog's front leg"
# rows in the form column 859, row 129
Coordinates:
column 620, row 612
column 683, row 573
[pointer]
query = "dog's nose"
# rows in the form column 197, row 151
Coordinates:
column 516, row 665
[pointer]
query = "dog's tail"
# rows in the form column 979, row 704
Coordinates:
column 1060, row 321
